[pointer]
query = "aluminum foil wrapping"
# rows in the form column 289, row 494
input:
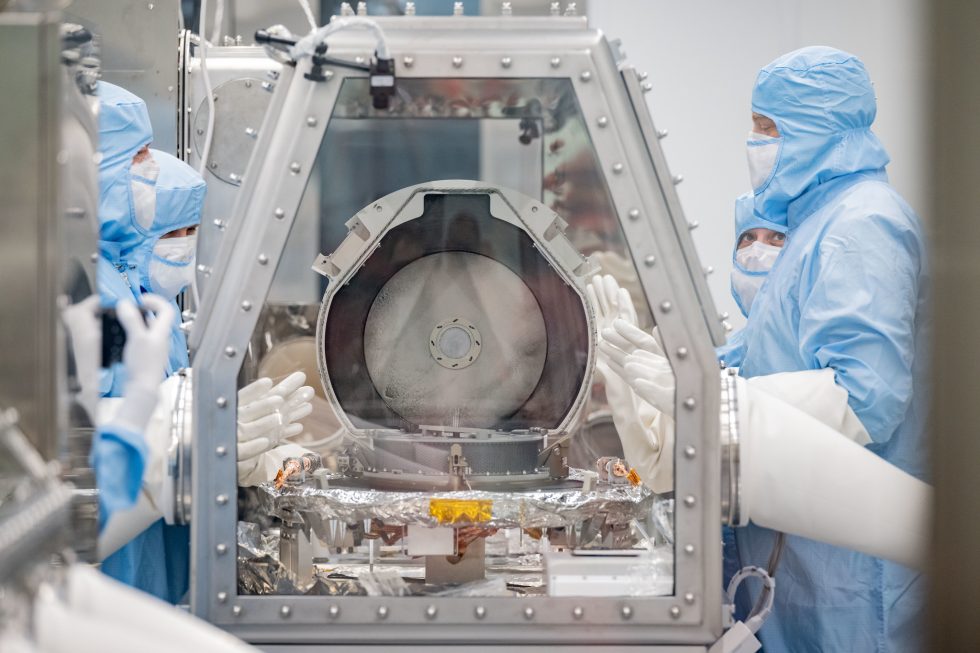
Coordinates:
column 541, row 508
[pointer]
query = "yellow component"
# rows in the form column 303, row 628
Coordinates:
column 461, row 511
column 633, row 477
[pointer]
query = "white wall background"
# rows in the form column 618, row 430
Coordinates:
column 702, row 58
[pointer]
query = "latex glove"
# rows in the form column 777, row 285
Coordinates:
column 85, row 330
column 609, row 303
column 268, row 414
column 145, row 358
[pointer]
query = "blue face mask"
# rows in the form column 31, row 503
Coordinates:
column 172, row 265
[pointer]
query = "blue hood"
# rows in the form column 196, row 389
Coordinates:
column 823, row 104
column 180, row 192
column 745, row 219
column 124, row 128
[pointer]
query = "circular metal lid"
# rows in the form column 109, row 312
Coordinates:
column 455, row 338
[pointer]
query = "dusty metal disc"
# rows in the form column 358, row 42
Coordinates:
column 401, row 353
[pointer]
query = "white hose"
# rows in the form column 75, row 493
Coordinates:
column 307, row 45
column 219, row 16
column 305, row 5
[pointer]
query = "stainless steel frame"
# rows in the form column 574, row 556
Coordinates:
column 650, row 215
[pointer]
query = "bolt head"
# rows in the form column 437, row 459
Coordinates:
column 506, row 62
column 221, row 549
column 480, row 612
column 675, row 612
column 408, row 62
column 602, row 121
column 689, row 598
column 431, row 612
column 689, row 549
column 221, row 402
column 263, row 259
column 662, row 133
column 529, row 613
column 626, row 612
column 690, row 403
column 585, row 76
column 690, row 501
column 295, row 167
column 230, row 352
column 690, row 452
column 665, row 306
column 382, row 612
column 634, row 214
column 246, row 306
column 578, row 612
column 682, row 352
column 222, row 597
column 279, row 213
column 236, row 610
column 650, row 261
column 457, row 62
column 285, row 611
column 311, row 121
column 334, row 611
column 555, row 62
column 617, row 168
column 221, row 499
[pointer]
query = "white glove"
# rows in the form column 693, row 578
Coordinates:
column 268, row 414
column 145, row 358
column 264, row 467
column 639, row 358
column 82, row 322
column 645, row 433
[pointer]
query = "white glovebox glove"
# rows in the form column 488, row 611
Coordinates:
column 802, row 477
column 83, row 326
column 264, row 467
column 267, row 414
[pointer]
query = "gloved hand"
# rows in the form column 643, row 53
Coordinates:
column 639, row 358
column 145, row 359
column 609, row 302
column 267, row 414
column 84, row 329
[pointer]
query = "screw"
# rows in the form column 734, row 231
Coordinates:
column 662, row 133
column 690, row 452
column 675, row 612
column 222, row 597
column 555, row 62
column 221, row 401
column 678, row 179
column 382, row 612
column 230, row 351
column 690, row 403
column 285, row 611
column 334, row 611
column 263, row 259
column 457, row 62
column 646, row 86
column 689, row 598
column 626, row 612
column 251, row 132
column 665, row 306
column 650, row 261
column 221, row 451
column 431, row 612
column 682, row 352
column 689, row 549
column 236, row 610
column 295, row 167
column 506, row 62
column 617, row 168
column 577, row 612
column 221, row 499
column 529, row 613
column 408, row 62
column 480, row 612
column 213, row 165
column 246, row 306
column 221, row 549
column 311, row 121
column 690, row 501
column 585, row 76
column 634, row 214
column 279, row 213
column 602, row 121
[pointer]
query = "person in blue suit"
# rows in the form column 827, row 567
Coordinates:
column 847, row 292
column 149, row 208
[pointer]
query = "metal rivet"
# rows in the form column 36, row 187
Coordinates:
column 578, row 612
column 311, row 121
column 708, row 271
column 285, row 611
column 690, row 452
column 529, row 613
column 689, row 598
column 665, row 306
column 333, row 611
column 251, row 132
column 693, row 224
column 236, row 610
column 359, row 60
column 480, row 612
column 220, row 224
column 662, row 133
column 263, row 259
column 650, row 261
column 457, row 62
column 675, row 612
column 378, row 208
column 690, row 501
column 221, row 401
column 634, row 214
column 643, row 76
column 230, row 351
column 677, row 179
column 690, row 403
column 626, row 612
column 724, row 316
column 431, row 612
column 295, row 167
column 234, row 178
column 585, row 76
column 200, row 132
column 213, row 165
column 246, row 305
column 221, row 549
column 222, row 597
column 602, row 121
column 279, row 213
column 94, row 257
column 268, row 86
column 408, row 62
column 682, row 352
column 646, row 86
column 689, row 549
column 555, row 62
column 617, row 168
column 382, row 612
column 221, row 499
column 220, row 451
column 506, row 62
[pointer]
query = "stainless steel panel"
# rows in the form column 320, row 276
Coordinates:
column 30, row 240
column 138, row 41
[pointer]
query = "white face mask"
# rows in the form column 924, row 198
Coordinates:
column 172, row 265
column 763, row 153
column 753, row 264
column 142, row 182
